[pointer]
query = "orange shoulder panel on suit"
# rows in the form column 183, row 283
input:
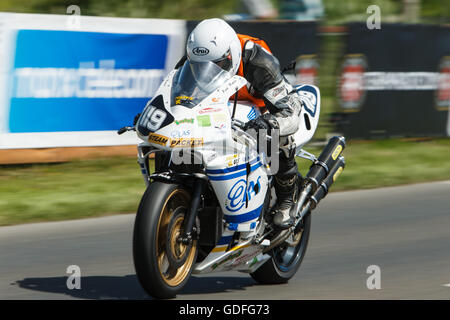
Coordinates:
column 243, row 93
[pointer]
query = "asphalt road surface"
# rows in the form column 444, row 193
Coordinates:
column 405, row 231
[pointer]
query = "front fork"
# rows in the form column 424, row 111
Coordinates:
column 143, row 155
column 189, row 229
column 199, row 186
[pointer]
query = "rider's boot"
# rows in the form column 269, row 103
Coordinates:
column 286, row 190
column 286, row 186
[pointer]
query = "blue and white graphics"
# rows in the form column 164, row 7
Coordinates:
column 237, row 195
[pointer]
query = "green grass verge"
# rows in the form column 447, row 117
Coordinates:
column 71, row 190
column 79, row 189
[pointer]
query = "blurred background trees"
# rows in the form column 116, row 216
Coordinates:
column 335, row 11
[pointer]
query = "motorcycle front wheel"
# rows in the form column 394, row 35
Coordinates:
column 163, row 264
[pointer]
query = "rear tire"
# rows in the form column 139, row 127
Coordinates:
column 163, row 265
column 285, row 260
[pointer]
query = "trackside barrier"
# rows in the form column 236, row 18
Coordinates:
column 395, row 81
column 66, row 85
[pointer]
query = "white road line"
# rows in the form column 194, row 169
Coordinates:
column 446, row 285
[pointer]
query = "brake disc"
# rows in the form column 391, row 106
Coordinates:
column 177, row 252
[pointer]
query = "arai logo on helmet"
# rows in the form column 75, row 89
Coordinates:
column 200, row 51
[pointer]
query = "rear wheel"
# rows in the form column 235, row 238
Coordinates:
column 286, row 258
column 163, row 264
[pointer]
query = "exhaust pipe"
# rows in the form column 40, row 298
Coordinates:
column 322, row 191
column 321, row 167
column 326, row 161
column 321, row 175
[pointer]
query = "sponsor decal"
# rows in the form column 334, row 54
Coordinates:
column 182, row 99
column 336, row 152
column 180, row 133
column 238, row 193
column 186, row 142
column 442, row 96
column 351, row 91
column 277, row 91
column 232, row 160
column 338, row 172
column 252, row 114
column 234, row 156
column 229, row 86
column 158, row 139
column 254, row 261
column 209, row 110
column 154, row 117
column 204, row 121
column 190, row 120
column 230, row 257
column 200, row 51
column 219, row 117
column 246, row 257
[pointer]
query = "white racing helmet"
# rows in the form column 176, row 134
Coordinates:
column 215, row 40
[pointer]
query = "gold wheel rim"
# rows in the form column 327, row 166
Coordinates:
column 173, row 276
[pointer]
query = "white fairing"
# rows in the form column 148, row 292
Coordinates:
column 309, row 117
column 240, row 197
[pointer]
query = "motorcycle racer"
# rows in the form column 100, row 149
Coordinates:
column 214, row 40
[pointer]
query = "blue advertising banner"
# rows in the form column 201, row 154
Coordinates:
column 82, row 81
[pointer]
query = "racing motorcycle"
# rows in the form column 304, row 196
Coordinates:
column 207, row 206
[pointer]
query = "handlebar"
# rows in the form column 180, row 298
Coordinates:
column 125, row 129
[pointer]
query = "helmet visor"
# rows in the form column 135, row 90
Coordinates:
column 225, row 62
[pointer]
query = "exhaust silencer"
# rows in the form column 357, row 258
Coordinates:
column 326, row 161
column 322, row 191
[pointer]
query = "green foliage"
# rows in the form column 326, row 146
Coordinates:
column 435, row 10
column 174, row 9
column 336, row 11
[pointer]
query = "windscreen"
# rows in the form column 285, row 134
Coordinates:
column 194, row 81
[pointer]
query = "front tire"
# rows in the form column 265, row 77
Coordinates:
column 285, row 259
column 163, row 264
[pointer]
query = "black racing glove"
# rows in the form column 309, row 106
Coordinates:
column 267, row 121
